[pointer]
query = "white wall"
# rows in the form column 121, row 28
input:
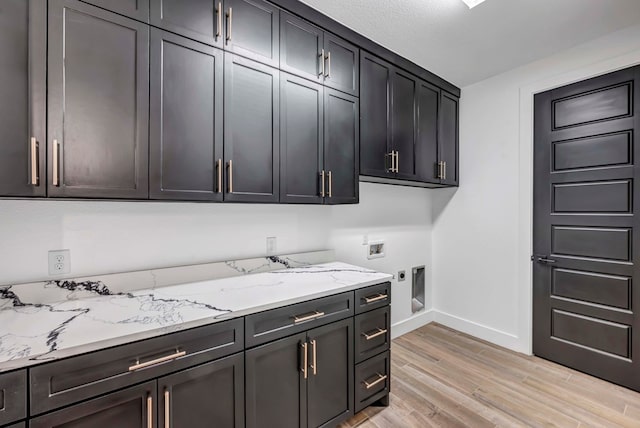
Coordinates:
column 482, row 231
column 107, row 237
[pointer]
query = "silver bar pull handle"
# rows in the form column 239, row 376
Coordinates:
column 328, row 75
column 375, row 382
column 149, row 411
column 397, row 161
column 321, row 58
column 314, row 357
column 444, row 170
column 35, row 170
column 302, row 318
column 229, row 23
column 138, row 365
column 56, row 163
column 378, row 332
column 330, row 185
column 219, row 168
column 305, row 359
column 230, row 178
column 219, row 21
column 322, row 191
column 167, row 409
column 376, row 298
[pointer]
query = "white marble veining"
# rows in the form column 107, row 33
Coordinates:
column 36, row 332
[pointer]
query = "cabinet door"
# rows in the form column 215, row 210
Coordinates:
column 341, row 141
column 375, row 120
column 403, row 118
column 201, row 20
column 448, row 138
column 186, row 119
column 98, row 103
column 330, row 387
column 130, row 408
column 136, row 9
column 301, row 140
column 22, row 97
column 276, row 390
column 301, row 47
column 251, row 129
column 208, row 395
column 427, row 133
column 252, row 30
column 342, row 65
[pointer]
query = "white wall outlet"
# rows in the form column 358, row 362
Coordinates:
column 59, row 262
column 271, row 245
column 375, row 249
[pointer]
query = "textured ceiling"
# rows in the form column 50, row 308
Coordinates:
column 465, row 45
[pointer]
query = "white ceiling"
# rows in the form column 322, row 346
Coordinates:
column 465, row 45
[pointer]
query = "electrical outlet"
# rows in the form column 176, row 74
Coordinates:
column 401, row 276
column 59, row 262
column 271, row 245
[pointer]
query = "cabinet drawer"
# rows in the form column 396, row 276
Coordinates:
column 372, row 380
column 373, row 333
column 78, row 378
column 373, row 297
column 270, row 325
column 13, row 396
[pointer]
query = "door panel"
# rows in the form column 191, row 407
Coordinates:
column 585, row 223
column 375, row 120
column 186, row 119
column 276, row 391
column 427, row 132
column 342, row 67
column 196, row 19
column 341, row 146
column 206, row 395
column 330, row 387
column 129, row 408
column 404, row 88
column 301, row 140
column 136, row 9
column 300, row 48
column 252, row 30
column 252, row 134
column 22, row 97
column 448, row 138
column 98, row 102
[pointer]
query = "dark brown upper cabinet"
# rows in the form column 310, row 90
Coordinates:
column 448, row 139
column 252, row 30
column 22, row 97
column 251, row 131
column 319, row 136
column 201, row 20
column 186, row 161
column 375, row 116
column 98, row 103
column 308, row 51
column 136, row 9
column 301, row 140
column 341, row 147
column 409, row 128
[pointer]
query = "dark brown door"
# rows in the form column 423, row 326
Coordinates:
column 342, row 65
column 301, row 48
column 330, row 386
column 585, row 229
column 130, row 408
column 426, row 154
column 204, row 396
column 301, row 140
column 98, row 103
column 448, row 139
column 375, row 116
column 276, row 390
column 22, row 97
column 403, row 119
column 201, row 20
column 252, row 132
column 186, row 119
column 252, row 29
column 341, row 147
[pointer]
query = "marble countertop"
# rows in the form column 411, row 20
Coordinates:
column 33, row 333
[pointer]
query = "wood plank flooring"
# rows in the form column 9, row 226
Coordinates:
column 444, row 378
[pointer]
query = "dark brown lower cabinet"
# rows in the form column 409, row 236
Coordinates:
column 130, row 408
column 204, row 396
column 304, row 380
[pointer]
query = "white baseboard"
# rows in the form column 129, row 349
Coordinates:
column 416, row 321
column 490, row 334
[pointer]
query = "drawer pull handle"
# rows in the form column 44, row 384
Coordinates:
column 375, row 382
column 376, row 298
column 298, row 319
column 138, row 365
column 370, row 336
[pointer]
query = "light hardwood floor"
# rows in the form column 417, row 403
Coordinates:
column 444, row 378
